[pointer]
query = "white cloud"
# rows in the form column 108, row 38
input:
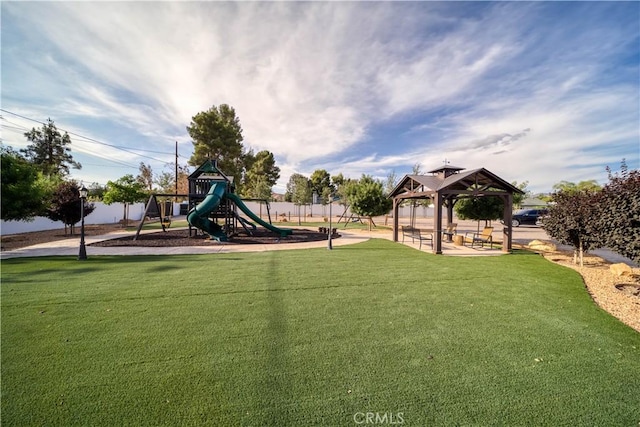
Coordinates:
column 311, row 81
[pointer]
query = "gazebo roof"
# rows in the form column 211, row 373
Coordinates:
column 480, row 179
column 476, row 181
column 447, row 169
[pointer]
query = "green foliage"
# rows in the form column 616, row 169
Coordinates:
column 49, row 150
column 571, row 187
column 24, row 190
column 367, row 198
column 518, row 198
column 166, row 180
column 96, row 191
column 65, row 204
column 124, row 190
column 217, row 135
column 261, row 176
column 320, row 182
column 248, row 339
column 572, row 220
column 480, row 208
column 298, row 189
column 618, row 219
column 391, row 182
column 344, row 188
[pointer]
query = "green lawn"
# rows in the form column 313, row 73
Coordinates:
column 311, row 337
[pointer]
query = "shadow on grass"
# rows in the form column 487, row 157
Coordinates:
column 275, row 347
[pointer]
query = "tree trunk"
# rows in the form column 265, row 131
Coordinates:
column 581, row 254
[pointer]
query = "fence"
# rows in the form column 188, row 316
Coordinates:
column 111, row 214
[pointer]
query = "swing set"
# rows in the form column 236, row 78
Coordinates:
column 160, row 209
column 352, row 217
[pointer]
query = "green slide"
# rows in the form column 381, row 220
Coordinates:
column 238, row 201
column 199, row 216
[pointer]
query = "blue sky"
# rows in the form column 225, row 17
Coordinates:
column 535, row 91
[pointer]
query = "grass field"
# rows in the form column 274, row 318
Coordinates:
column 311, row 337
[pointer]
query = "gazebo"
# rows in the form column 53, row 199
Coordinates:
column 445, row 186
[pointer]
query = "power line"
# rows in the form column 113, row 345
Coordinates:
column 127, row 150
column 22, row 128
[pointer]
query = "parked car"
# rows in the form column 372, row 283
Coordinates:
column 527, row 217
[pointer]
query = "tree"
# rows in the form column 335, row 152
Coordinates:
column 618, row 221
column 145, row 176
column 261, row 175
column 485, row 209
column 320, row 181
column 518, row 198
column 368, row 199
column 344, row 187
column 49, row 150
column 217, row 135
column 65, row 205
column 167, row 179
column 572, row 220
column 391, row 182
column 571, row 187
column 96, row 191
column 22, row 187
column 260, row 188
column 298, row 191
column 124, row 190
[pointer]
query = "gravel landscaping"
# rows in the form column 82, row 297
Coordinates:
column 617, row 295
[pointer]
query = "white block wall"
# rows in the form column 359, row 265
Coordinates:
column 111, row 214
column 102, row 214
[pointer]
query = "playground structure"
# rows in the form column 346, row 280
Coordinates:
column 213, row 206
column 161, row 210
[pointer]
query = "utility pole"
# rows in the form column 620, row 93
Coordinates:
column 176, row 192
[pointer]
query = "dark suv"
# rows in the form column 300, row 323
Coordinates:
column 527, row 216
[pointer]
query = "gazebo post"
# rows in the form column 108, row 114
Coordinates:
column 450, row 210
column 508, row 228
column 395, row 218
column 437, row 224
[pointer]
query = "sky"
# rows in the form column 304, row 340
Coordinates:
column 532, row 91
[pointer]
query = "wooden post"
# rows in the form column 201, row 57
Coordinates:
column 395, row 219
column 450, row 200
column 507, row 231
column 437, row 226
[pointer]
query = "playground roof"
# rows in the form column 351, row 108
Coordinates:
column 209, row 170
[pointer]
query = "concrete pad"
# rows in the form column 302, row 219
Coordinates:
column 71, row 247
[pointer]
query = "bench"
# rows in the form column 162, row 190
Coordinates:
column 450, row 231
column 415, row 233
column 482, row 238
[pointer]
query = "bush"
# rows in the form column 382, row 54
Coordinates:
column 619, row 218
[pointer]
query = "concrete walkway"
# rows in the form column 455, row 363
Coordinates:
column 70, row 247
